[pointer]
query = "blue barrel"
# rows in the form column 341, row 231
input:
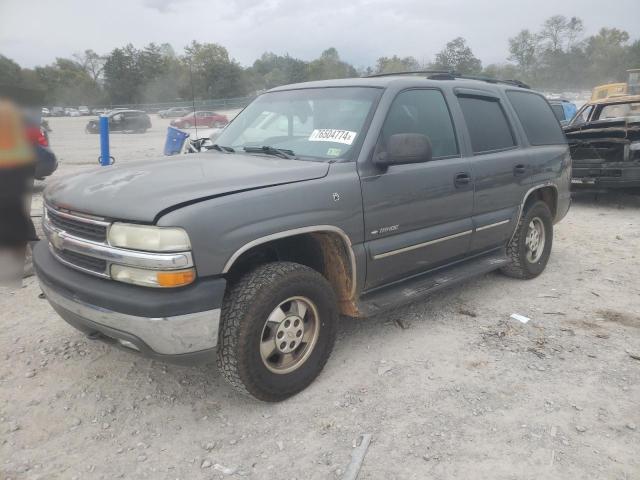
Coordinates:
column 175, row 141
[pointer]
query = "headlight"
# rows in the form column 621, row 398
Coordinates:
column 148, row 238
column 153, row 278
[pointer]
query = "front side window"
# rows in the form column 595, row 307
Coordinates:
column 582, row 116
column 424, row 112
column 487, row 123
column 313, row 123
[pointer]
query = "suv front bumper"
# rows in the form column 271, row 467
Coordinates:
column 178, row 325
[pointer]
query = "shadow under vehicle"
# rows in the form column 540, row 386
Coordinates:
column 604, row 138
column 135, row 121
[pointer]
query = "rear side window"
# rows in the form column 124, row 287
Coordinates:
column 488, row 126
column 537, row 118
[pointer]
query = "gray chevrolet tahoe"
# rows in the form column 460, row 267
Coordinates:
column 341, row 197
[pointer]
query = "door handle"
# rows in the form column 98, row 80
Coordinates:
column 519, row 170
column 462, row 179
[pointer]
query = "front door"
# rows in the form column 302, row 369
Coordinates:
column 417, row 216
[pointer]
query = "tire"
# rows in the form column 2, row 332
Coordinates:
column 523, row 262
column 219, row 124
column 244, row 330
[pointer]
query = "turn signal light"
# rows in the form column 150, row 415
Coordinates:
column 178, row 278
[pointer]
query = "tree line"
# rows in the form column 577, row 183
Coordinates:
column 557, row 56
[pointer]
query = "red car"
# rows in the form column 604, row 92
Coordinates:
column 201, row 119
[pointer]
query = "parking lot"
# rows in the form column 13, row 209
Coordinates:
column 450, row 387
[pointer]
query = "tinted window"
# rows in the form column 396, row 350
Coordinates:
column 537, row 118
column 424, row 112
column 487, row 124
column 558, row 111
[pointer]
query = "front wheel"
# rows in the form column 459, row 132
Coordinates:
column 278, row 329
column 530, row 247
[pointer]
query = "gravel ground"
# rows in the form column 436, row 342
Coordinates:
column 449, row 388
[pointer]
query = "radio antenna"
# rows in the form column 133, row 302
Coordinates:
column 193, row 98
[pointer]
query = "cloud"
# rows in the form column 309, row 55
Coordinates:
column 361, row 30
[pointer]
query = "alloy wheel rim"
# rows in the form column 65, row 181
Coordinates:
column 535, row 240
column 289, row 335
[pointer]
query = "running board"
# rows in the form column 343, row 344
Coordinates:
column 418, row 287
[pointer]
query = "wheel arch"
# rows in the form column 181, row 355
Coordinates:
column 547, row 192
column 325, row 248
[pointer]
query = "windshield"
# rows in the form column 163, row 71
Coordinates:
column 620, row 110
column 318, row 123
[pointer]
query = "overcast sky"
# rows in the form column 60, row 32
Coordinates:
column 35, row 32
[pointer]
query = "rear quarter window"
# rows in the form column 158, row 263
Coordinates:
column 537, row 118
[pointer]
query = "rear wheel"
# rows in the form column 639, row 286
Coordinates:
column 219, row 124
column 530, row 247
column 278, row 330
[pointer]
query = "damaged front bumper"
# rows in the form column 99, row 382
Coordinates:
column 606, row 175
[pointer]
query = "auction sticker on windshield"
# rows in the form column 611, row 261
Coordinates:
column 331, row 135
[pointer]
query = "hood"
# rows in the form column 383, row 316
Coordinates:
column 615, row 127
column 141, row 191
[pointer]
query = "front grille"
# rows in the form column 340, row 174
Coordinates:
column 77, row 227
column 595, row 152
column 83, row 261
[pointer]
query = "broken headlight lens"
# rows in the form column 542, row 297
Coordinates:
column 148, row 238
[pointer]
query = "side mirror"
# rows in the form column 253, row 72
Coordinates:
column 405, row 148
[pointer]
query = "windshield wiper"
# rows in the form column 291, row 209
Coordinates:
column 269, row 150
column 220, row 148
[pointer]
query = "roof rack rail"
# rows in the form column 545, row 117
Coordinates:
column 452, row 75
column 411, row 72
column 516, row 83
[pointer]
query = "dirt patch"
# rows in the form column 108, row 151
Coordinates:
column 622, row 318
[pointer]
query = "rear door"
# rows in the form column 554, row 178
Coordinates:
column 499, row 164
column 417, row 216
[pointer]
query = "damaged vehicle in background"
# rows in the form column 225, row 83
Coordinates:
column 604, row 138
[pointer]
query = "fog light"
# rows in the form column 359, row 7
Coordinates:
column 153, row 278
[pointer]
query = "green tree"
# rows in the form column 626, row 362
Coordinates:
column 215, row 75
column 272, row 70
column 329, row 65
column 396, row 64
column 10, row 71
column 606, row 52
column 457, row 56
column 68, row 83
column 122, row 75
column 522, row 50
column 92, row 63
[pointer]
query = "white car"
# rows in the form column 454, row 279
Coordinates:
column 45, row 112
column 71, row 112
column 84, row 110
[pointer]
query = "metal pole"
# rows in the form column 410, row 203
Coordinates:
column 105, row 157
